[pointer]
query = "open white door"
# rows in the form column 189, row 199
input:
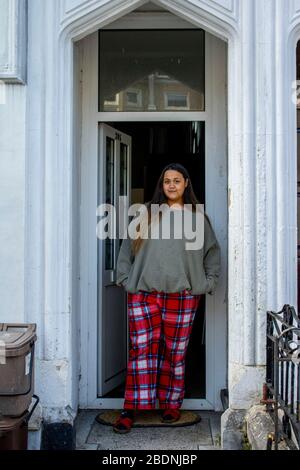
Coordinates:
column 114, row 180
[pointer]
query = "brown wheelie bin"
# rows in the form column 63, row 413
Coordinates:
column 14, row 431
column 16, row 368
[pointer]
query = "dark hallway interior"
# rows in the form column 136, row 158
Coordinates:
column 154, row 145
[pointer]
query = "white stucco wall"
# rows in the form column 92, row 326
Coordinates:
column 12, row 192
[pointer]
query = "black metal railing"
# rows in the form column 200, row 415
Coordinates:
column 282, row 388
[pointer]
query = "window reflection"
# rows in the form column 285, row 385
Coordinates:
column 151, row 70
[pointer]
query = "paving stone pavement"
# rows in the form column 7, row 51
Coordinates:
column 91, row 435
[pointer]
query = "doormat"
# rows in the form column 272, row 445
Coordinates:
column 149, row 418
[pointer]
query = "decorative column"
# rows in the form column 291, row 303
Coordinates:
column 269, row 198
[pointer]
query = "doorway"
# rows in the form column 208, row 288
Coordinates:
column 197, row 139
column 153, row 145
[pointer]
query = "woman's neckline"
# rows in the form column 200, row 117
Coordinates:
column 176, row 208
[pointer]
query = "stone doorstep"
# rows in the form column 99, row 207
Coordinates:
column 85, row 419
column 258, row 423
column 87, row 438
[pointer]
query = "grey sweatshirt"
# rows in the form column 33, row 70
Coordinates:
column 165, row 265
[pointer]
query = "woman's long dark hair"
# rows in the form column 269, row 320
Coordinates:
column 159, row 197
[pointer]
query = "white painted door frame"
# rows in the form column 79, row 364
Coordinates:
column 216, row 207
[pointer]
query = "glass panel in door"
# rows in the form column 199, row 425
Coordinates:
column 123, row 178
column 114, row 181
column 110, row 198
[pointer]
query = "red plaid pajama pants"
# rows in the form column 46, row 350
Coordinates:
column 160, row 325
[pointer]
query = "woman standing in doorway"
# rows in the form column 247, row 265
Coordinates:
column 164, row 282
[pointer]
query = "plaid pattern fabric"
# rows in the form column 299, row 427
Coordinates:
column 160, row 325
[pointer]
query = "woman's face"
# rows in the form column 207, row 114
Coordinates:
column 174, row 185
